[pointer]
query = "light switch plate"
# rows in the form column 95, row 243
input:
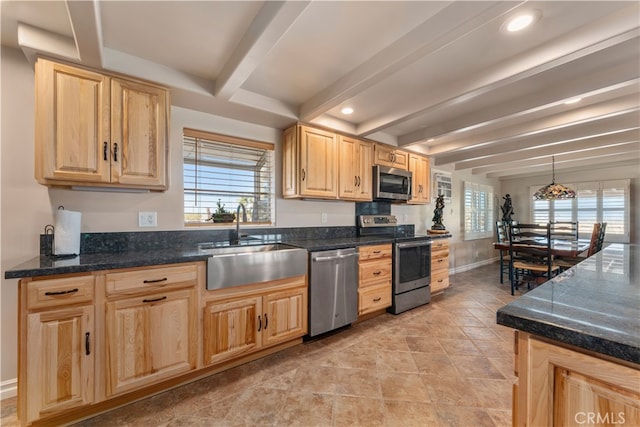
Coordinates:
column 147, row 219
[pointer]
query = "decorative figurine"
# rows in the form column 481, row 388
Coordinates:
column 507, row 209
column 437, row 214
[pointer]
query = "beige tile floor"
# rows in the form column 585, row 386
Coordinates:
column 443, row 364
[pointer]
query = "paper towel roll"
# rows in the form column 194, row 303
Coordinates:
column 67, row 233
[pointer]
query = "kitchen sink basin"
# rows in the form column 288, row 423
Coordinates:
column 242, row 265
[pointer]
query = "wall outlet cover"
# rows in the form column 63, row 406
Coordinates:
column 147, row 219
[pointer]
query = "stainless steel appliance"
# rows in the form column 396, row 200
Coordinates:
column 333, row 290
column 411, row 262
column 391, row 183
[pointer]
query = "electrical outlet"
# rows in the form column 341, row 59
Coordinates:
column 324, row 217
column 147, row 219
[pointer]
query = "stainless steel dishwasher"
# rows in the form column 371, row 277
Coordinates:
column 333, row 290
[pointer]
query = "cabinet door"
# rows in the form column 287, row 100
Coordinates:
column 290, row 163
column 60, row 366
column 420, row 191
column 388, row 156
column 356, row 160
column 318, row 163
column 138, row 134
column 72, row 124
column 150, row 338
column 231, row 328
column 285, row 315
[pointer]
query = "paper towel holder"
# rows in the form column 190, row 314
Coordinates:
column 49, row 230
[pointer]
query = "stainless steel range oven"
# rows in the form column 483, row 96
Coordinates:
column 411, row 262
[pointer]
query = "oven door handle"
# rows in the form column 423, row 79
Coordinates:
column 412, row 244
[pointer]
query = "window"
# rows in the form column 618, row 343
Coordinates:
column 221, row 172
column 606, row 201
column 478, row 211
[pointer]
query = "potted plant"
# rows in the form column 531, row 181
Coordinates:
column 221, row 214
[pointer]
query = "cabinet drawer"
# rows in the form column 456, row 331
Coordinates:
column 374, row 298
column 439, row 261
column 374, row 272
column 439, row 244
column 439, row 281
column 129, row 282
column 374, row 252
column 62, row 291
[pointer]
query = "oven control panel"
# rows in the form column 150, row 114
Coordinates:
column 365, row 221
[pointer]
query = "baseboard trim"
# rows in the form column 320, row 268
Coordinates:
column 468, row 267
column 8, row 388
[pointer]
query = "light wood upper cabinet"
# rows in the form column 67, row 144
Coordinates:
column 150, row 338
column 310, row 167
column 356, row 161
column 419, row 166
column 99, row 130
column 59, row 339
column 386, row 155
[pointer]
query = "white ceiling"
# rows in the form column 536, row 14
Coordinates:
column 439, row 77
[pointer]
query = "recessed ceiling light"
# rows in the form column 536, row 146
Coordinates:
column 573, row 101
column 521, row 21
column 347, row 110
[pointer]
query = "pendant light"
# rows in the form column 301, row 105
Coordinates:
column 554, row 191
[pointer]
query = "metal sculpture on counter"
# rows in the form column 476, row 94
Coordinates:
column 437, row 214
column 507, row 209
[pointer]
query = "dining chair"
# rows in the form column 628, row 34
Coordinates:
column 564, row 230
column 530, row 254
column 502, row 233
column 566, row 263
column 603, row 229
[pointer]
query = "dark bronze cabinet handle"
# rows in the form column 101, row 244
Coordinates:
column 259, row 323
column 70, row 291
column 155, row 299
column 377, row 273
column 377, row 299
column 376, row 252
column 164, row 279
column 266, row 321
column 303, row 174
column 87, row 343
column 105, row 150
column 115, row 151
column 355, row 181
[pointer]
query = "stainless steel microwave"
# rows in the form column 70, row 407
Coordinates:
column 391, row 183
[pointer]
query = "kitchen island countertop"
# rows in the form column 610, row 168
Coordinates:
column 594, row 305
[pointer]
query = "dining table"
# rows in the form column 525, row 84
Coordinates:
column 559, row 247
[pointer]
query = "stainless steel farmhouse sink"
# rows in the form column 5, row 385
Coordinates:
column 242, row 265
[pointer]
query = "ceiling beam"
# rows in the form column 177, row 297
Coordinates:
column 490, row 142
column 270, row 24
column 607, row 32
column 623, row 78
column 553, row 148
column 87, row 31
column 587, row 153
column 432, row 35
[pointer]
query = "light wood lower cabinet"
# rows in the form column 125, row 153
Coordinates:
column 150, row 338
column 240, row 321
column 60, row 369
column 374, row 278
column 561, row 387
column 439, row 266
column 92, row 341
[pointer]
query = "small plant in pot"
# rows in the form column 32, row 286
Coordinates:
column 221, row 214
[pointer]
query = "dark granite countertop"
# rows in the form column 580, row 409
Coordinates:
column 594, row 305
column 44, row 265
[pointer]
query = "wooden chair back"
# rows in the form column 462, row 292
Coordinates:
column 595, row 235
column 502, row 232
column 530, row 247
column 603, row 229
column 564, row 230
